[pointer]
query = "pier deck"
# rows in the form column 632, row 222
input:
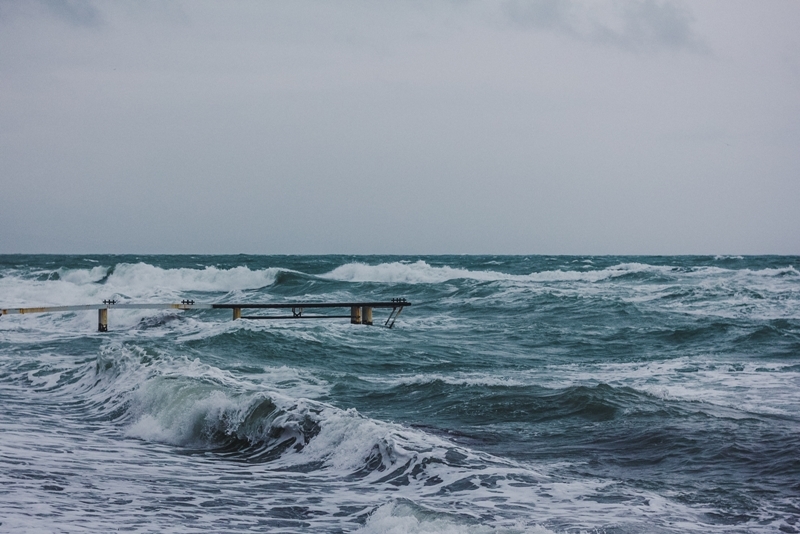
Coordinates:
column 360, row 312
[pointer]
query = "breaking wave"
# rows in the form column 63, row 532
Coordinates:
column 135, row 281
column 420, row 272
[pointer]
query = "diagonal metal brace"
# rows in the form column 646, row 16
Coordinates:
column 393, row 316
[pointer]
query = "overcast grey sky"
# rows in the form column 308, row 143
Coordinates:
column 408, row 127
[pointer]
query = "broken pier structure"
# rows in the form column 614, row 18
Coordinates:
column 360, row 312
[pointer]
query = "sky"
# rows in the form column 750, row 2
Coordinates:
column 403, row 127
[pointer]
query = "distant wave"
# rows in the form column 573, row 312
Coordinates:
column 421, row 272
column 142, row 280
column 142, row 277
column 135, row 281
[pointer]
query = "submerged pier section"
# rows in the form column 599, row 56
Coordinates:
column 360, row 312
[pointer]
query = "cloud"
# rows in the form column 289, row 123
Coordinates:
column 580, row 127
column 541, row 14
column 639, row 26
column 81, row 13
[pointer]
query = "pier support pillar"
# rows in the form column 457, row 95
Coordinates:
column 355, row 314
column 102, row 320
column 237, row 313
column 366, row 315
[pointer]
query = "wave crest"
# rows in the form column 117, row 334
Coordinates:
column 142, row 278
column 420, row 272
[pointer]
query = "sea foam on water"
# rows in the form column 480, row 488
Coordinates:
column 518, row 394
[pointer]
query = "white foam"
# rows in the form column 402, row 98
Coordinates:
column 407, row 273
column 752, row 387
column 421, row 272
column 455, row 379
column 402, row 518
column 165, row 398
column 747, row 388
column 770, row 293
column 142, row 278
column 174, row 410
column 179, row 401
column 83, row 276
column 131, row 281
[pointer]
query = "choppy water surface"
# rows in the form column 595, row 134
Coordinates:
column 517, row 394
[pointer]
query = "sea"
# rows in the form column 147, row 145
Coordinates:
column 543, row 394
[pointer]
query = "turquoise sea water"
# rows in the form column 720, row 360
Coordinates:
column 516, row 394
